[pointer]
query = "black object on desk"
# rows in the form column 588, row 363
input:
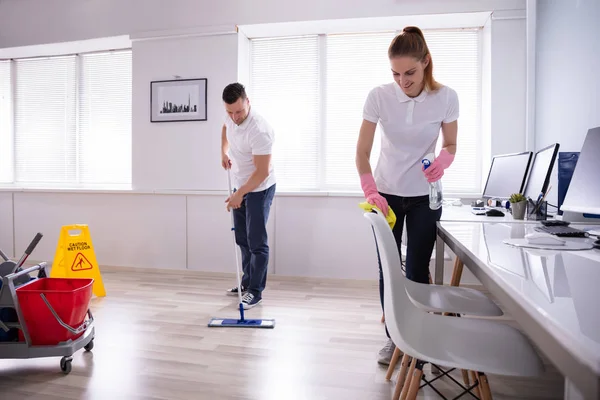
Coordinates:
column 560, row 228
column 537, row 212
column 597, row 244
column 492, row 212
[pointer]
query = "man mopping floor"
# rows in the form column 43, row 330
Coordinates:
column 246, row 146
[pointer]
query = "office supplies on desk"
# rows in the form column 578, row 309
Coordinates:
column 478, row 210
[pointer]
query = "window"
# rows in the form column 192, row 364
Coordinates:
column 286, row 77
column 312, row 90
column 72, row 120
column 105, row 118
column 5, row 124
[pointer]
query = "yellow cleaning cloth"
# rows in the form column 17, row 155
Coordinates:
column 391, row 217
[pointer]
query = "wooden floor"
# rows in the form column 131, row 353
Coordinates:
column 152, row 342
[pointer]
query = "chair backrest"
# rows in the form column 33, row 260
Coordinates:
column 402, row 318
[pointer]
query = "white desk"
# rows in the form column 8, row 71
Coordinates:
column 553, row 295
column 463, row 214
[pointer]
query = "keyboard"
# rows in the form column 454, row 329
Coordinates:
column 561, row 230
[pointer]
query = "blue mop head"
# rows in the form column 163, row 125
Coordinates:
column 242, row 322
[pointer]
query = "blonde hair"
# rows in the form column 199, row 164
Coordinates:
column 411, row 42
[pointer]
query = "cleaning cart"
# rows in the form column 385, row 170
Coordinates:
column 42, row 316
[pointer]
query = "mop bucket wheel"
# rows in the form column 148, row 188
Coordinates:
column 54, row 309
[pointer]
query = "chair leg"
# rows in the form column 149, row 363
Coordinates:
column 415, row 381
column 465, row 376
column 401, row 378
column 409, row 377
column 456, row 272
column 484, row 386
column 393, row 362
column 475, row 380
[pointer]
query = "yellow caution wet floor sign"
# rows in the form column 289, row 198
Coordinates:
column 75, row 257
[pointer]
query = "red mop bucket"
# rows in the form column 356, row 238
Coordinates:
column 68, row 297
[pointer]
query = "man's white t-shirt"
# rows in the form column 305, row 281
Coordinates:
column 410, row 130
column 254, row 136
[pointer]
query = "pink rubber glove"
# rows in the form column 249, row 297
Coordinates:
column 367, row 182
column 436, row 169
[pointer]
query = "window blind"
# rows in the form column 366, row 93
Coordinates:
column 45, row 120
column 72, row 120
column 356, row 63
column 104, row 139
column 456, row 63
column 6, row 173
column 313, row 89
column 285, row 90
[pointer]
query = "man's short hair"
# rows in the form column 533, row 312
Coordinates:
column 233, row 92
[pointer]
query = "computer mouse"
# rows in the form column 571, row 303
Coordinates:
column 544, row 238
column 494, row 213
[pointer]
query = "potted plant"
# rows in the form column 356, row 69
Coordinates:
column 518, row 204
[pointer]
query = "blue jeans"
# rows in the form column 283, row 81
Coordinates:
column 421, row 233
column 250, row 224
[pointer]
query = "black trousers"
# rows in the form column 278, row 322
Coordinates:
column 421, row 235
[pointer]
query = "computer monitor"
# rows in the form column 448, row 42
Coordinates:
column 583, row 195
column 507, row 175
column 541, row 170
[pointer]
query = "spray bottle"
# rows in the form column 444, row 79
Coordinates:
column 436, row 197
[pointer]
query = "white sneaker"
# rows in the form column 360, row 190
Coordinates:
column 385, row 354
column 249, row 301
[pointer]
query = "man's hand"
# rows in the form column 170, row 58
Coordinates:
column 234, row 201
column 225, row 161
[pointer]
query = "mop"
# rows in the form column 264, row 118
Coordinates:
column 241, row 322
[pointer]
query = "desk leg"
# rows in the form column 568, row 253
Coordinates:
column 571, row 391
column 439, row 261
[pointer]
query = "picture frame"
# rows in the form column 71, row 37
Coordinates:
column 178, row 100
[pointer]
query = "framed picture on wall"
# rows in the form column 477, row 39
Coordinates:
column 178, row 100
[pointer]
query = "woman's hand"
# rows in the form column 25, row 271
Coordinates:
column 436, row 170
column 367, row 182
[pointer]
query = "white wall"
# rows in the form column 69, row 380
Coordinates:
column 567, row 75
column 568, row 66
column 319, row 237
column 509, row 87
column 181, row 155
column 65, row 20
column 179, row 187
column 6, row 223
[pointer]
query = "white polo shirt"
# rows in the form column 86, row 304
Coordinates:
column 410, row 130
column 254, row 136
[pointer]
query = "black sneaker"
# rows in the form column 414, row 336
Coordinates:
column 234, row 291
column 249, row 301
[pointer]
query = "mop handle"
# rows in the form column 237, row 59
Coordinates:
column 237, row 259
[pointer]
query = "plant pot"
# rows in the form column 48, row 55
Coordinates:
column 518, row 209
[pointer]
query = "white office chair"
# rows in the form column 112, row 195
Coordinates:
column 449, row 299
column 464, row 343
